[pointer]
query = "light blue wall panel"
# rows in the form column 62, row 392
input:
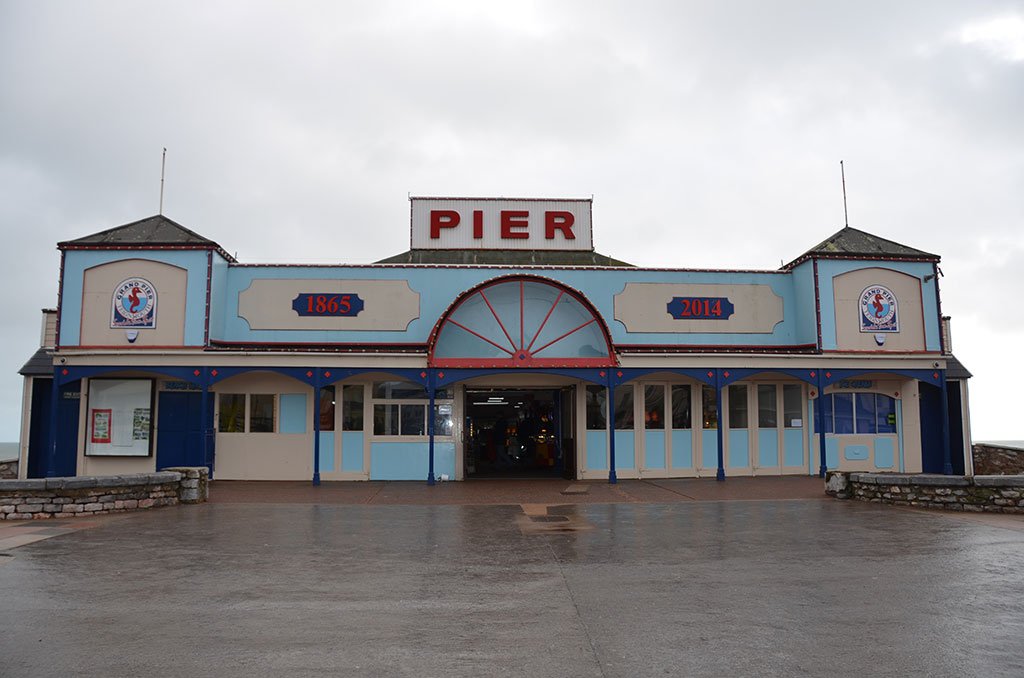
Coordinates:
column 597, row 451
column 293, row 413
column 768, row 448
column 654, row 449
column 326, row 451
column 804, row 315
column 885, row 453
column 739, row 448
column 439, row 287
column 856, row 452
column 828, row 269
column 831, row 453
column 409, row 461
column 352, row 451
column 793, row 447
column 625, row 450
column 682, row 449
column 218, row 295
column 77, row 261
column 709, row 449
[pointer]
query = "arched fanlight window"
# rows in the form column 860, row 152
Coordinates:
column 521, row 322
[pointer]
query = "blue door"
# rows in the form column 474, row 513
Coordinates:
column 179, row 439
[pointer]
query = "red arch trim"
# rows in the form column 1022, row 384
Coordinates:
column 523, row 355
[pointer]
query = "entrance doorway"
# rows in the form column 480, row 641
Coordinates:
column 519, row 433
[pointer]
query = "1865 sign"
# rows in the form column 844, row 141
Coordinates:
column 326, row 304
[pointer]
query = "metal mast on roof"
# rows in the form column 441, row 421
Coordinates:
column 163, row 164
column 842, row 172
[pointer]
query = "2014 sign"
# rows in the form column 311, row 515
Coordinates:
column 700, row 308
column 326, row 304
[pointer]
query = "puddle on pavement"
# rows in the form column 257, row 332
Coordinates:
column 539, row 519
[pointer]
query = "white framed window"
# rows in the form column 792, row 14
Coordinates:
column 246, row 413
column 400, row 409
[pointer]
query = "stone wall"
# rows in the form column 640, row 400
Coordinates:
column 993, row 460
column 997, row 494
column 8, row 469
column 94, row 495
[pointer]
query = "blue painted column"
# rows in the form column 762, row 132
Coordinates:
column 54, row 401
column 317, row 381
column 204, row 422
column 430, row 427
column 612, row 478
column 947, row 459
column 820, row 423
column 721, row 424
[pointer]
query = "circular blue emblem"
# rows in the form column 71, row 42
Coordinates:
column 878, row 310
column 134, row 304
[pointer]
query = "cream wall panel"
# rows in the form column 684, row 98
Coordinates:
column 97, row 298
column 847, row 289
column 642, row 307
column 389, row 305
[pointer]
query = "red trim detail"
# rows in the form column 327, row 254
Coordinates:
column 515, row 360
column 480, row 336
column 522, row 314
column 327, row 374
column 528, row 362
column 545, row 321
column 309, row 373
column 496, row 318
column 214, row 372
column 196, row 372
column 592, row 320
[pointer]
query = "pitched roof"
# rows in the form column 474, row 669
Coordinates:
column 503, row 257
column 155, row 231
column 39, row 365
column 852, row 243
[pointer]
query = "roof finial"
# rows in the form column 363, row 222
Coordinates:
column 163, row 164
column 846, row 216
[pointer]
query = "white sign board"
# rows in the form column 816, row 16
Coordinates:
column 501, row 224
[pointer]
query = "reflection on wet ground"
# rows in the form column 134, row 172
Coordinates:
column 716, row 588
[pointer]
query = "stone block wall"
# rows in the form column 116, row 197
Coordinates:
column 996, row 494
column 94, row 495
column 992, row 460
column 8, row 470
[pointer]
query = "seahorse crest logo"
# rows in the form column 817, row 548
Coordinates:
column 134, row 304
column 878, row 310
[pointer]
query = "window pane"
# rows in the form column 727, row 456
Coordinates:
column 399, row 390
column 654, row 407
column 865, row 412
column 385, row 420
column 443, row 422
column 597, row 408
column 414, row 422
column 232, row 413
column 710, row 407
column 767, row 406
column 624, row 407
column 842, row 404
column 792, row 405
column 261, row 413
column 737, row 406
column 682, row 413
column 327, row 408
column 885, row 409
column 352, row 407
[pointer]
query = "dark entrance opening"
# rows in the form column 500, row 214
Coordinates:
column 519, row 433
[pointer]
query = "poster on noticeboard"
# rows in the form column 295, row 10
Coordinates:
column 101, row 426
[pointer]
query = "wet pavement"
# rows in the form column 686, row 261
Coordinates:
column 791, row 587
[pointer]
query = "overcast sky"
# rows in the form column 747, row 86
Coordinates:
column 709, row 134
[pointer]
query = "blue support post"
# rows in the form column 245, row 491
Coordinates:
column 204, row 422
column 612, row 478
column 720, row 475
column 316, row 425
column 947, row 458
column 430, row 428
column 820, row 423
column 54, row 401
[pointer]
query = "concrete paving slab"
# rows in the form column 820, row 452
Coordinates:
column 694, row 588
